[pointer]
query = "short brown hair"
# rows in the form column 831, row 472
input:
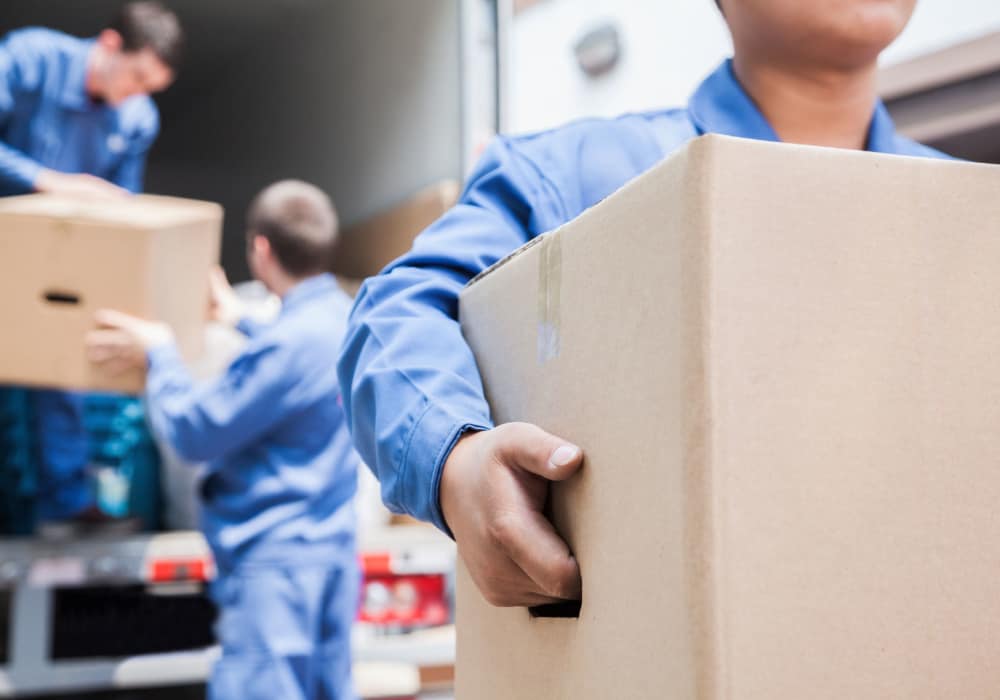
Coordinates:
column 150, row 25
column 299, row 222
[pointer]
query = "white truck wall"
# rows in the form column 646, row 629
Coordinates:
column 668, row 47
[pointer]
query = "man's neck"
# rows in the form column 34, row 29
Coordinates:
column 95, row 68
column 285, row 284
column 823, row 109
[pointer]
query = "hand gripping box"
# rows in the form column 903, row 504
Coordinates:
column 783, row 365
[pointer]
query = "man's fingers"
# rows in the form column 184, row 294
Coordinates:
column 503, row 583
column 109, row 318
column 103, row 345
column 529, row 447
column 214, row 283
column 101, row 187
column 531, row 542
column 217, row 277
column 117, row 365
column 105, row 340
column 520, row 529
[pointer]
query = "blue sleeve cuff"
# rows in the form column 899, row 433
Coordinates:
column 160, row 360
column 432, row 438
column 248, row 327
column 29, row 170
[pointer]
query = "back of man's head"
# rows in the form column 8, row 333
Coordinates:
column 148, row 24
column 300, row 224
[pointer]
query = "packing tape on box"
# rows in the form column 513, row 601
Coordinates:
column 549, row 285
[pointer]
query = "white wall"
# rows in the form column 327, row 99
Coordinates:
column 668, row 47
column 940, row 23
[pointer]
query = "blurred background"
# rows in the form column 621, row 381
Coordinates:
column 385, row 104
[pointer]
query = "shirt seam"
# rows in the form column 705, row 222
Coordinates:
column 405, row 457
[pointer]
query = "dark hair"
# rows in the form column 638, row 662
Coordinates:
column 299, row 222
column 150, row 25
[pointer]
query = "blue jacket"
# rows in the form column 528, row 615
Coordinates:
column 281, row 469
column 47, row 120
column 411, row 383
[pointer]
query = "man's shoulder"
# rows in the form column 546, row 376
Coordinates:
column 316, row 322
column 586, row 160
column 41, row 40
column 628, row 130
column 908, row 147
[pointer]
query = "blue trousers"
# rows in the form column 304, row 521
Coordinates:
column 61, row 453
column 285, row 632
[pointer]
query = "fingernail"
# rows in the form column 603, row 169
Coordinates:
column 562, row 456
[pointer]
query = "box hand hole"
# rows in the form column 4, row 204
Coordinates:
column 564, row 608
column 61, row 297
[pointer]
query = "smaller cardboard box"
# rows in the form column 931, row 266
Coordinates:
column 65, row 258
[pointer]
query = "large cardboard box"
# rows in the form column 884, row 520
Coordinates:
column 64, row 258
column 783, row 364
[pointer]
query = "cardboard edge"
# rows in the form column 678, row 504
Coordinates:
column 509, row 257
column 195, row 210
column 677, row 153
column 703, row 555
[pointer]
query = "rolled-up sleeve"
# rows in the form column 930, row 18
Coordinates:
column 411, row 383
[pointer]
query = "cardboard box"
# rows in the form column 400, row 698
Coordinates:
column 366, row 247
column 783, row 364
column 65, row 258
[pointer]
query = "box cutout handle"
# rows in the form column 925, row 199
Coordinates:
column 61, row 297
column 564, row 608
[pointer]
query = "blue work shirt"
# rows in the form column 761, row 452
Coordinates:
column 281, row 471
column 411, row 382
column 47, row 120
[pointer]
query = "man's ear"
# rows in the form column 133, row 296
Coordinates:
column 110, row 40
column 261, row 246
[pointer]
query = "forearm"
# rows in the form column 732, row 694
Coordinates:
column 169, row 393
column 404, row 416
column 411, row 385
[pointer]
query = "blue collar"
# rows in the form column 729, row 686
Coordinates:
column 720, row 105
column 74, row 89
column 307, row 289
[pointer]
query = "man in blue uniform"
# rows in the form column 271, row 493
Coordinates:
column 76, row 118
column 802, row 72
column 277, row 498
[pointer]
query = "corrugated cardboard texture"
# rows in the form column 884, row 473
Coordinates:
column 781, row 364
column 368, row 246
column 145, row 255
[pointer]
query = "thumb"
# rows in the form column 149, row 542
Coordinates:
column 109, row 318
column 217, row 278
column 529, row 447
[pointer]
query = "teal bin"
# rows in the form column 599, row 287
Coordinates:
column 124, row 456
column 17, row 471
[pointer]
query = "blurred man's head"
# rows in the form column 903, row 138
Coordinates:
column 291, row 231
column 137, row 54
column 827, row 34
